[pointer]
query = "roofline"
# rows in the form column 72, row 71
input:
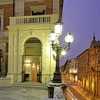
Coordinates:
column 83, row 52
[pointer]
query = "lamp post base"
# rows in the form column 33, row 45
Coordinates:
column 57, row 77
column 55, row 91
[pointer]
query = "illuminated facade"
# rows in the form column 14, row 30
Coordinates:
column 89, row 68
column 70, row 69
column 27, row 25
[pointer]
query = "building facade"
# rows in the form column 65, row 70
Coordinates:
column 70, row 69
column 89, row 68
column 27, row 25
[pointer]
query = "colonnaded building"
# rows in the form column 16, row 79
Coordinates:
column 25, row 51
column 85, row 69
column 89, row 68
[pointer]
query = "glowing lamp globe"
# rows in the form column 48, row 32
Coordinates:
column 58, row 28
column 69, row 38
column 63, row 52
column 52, row 37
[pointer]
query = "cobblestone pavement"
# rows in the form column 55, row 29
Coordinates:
column 36, row 92
column 22, row 93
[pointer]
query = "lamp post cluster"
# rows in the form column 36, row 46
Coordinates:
column 56, row 46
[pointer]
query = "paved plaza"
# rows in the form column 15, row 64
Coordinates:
column 29, row 91
column 23, row 93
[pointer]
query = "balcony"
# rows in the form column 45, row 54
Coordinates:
column 41, row 19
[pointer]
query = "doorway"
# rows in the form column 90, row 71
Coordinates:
column 32, row 69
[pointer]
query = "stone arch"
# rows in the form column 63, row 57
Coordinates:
column 26, row 38
column 32, row 36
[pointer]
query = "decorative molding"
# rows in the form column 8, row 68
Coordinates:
column 38, row 8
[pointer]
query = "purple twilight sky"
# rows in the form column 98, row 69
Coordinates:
column 82, row 17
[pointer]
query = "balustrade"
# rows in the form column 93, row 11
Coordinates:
column 41, row 19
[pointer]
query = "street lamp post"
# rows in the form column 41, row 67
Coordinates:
column 56, row 46
column 54, row 39
column 57, row 74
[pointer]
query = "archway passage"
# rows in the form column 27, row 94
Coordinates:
column 31, row 70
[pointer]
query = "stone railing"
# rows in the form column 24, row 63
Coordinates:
column 41, row 19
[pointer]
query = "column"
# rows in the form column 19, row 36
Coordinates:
column 19, row 7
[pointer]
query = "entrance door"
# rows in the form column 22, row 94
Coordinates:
column 31, row 70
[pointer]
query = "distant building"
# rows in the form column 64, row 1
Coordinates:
column 25, row 51
column 73, row 70
column 65, row 71
column 89, row 68
column 69, row 70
